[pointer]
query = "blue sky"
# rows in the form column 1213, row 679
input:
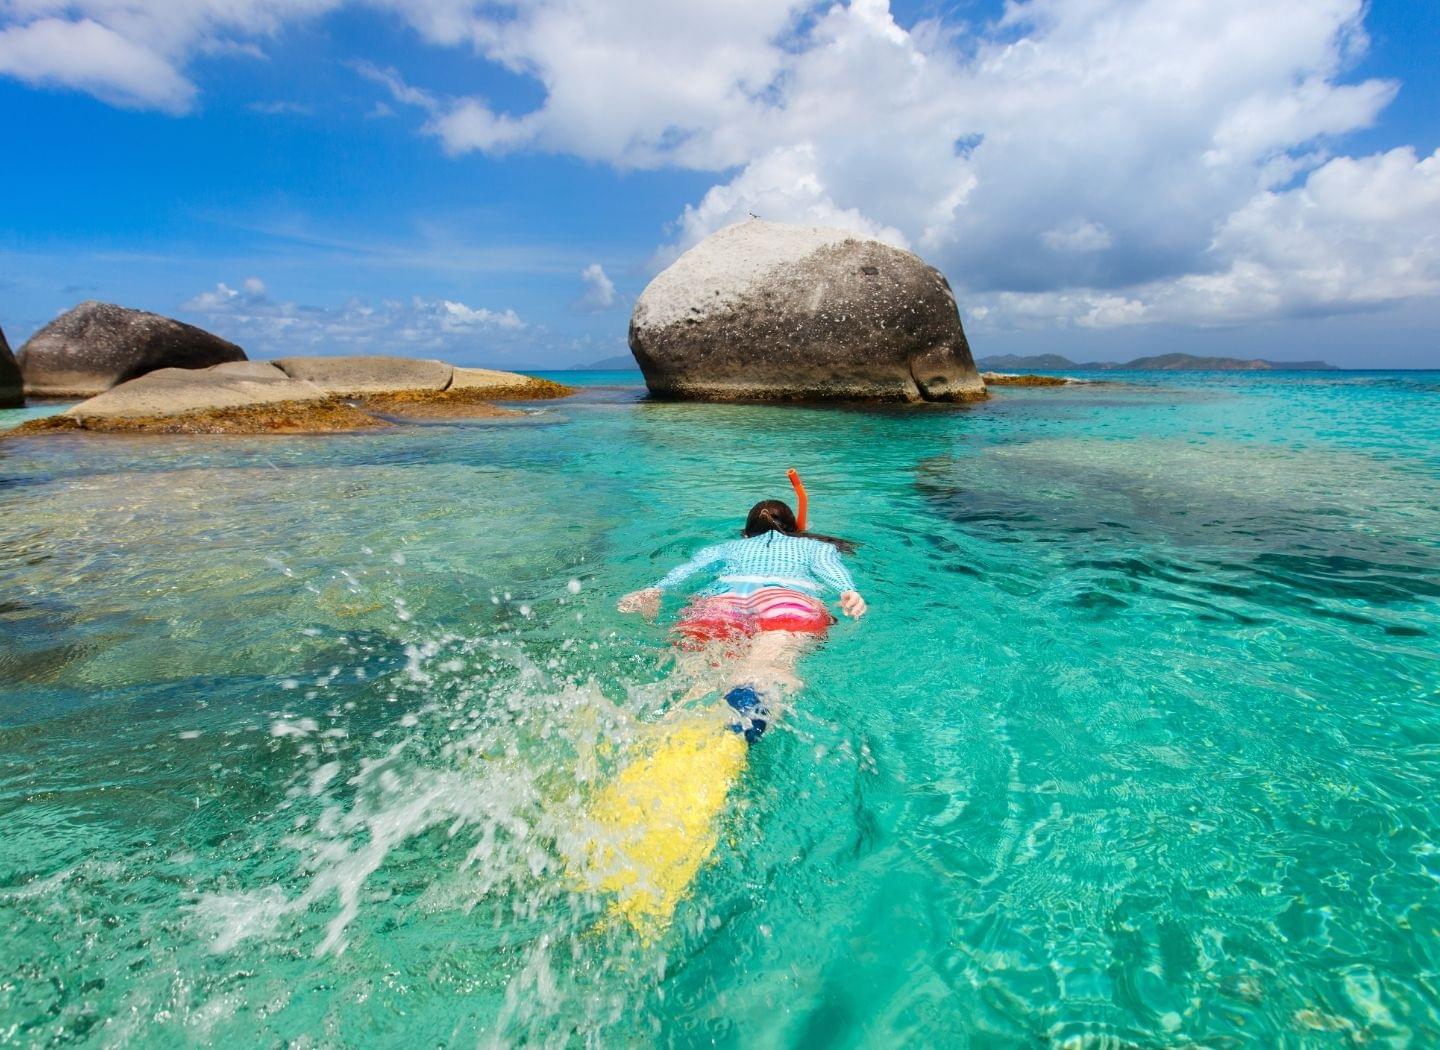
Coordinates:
column 495, row 183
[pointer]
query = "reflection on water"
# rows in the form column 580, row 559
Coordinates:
column 1138, row 745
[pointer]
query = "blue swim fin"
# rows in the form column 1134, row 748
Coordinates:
column 754, row 715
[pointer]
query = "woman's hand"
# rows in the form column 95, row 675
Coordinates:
column 852, row 605
column 646, row 602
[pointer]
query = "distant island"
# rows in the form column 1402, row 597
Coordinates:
column 608, row 364
column 1058, row 363
column 1158, row 363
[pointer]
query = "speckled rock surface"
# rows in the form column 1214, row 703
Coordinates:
column 96, row 345
column 768, row 311
column 181, row 391
column 261, row 370
column 361, row 376
column 482, row 379
column 12, row 389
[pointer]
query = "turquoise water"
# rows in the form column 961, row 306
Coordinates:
column 1139, row 745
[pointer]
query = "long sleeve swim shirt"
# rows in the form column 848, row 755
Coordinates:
column 770, row 559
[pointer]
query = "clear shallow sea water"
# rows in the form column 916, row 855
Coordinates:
column 1139, row 745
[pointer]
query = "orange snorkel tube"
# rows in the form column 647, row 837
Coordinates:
column 802, row 501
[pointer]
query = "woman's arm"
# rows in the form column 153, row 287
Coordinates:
column 647, row 602
column 828, row 568
column 681, row 573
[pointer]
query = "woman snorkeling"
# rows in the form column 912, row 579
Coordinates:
column 657, row 819
column 764, row 604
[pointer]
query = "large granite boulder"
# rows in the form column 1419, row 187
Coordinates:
column 769, row 311
column 12, row 388
column 365, row 376
column 97, row 345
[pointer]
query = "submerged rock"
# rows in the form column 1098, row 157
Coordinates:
column 439, row 407
column 770, row 311
column 12, row 387
column 97, row 345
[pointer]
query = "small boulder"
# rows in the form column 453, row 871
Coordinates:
column 769, row 311
column 366, row 376
column 97, row 345
column 12, row 387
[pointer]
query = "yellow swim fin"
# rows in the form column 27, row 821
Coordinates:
column 657, row 821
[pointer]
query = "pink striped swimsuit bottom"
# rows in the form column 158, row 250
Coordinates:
column 721, row 617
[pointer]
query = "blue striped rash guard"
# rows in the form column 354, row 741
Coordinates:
column 771, row 559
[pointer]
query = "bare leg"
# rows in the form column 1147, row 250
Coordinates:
column 765, row 663
column 770, row 664
column 710, row 668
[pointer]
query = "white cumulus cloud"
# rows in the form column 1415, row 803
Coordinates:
column 1106, row 160
column 91, row 57
column 599, row 289
column 133, row 53
column 1357, row 234
column 1095, row 162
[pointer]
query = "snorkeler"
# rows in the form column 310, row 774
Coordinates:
column 650, row 828
column 766, row 593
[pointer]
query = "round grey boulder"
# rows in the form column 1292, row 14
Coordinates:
column 97, row 345
column 770, row 311
column 12, row 389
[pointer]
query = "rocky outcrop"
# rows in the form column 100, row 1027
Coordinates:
column 502, row 385
column 12, row 388
column 769, row 311
column 1011, row 379
column 254, row 397
column 98, row 345
column 363, row 376
column 243, row 397
column 468, row 396
column 179, row 391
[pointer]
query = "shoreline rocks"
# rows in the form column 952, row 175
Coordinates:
column 182, row 391
column 770, row 311
column 286, row 417
column 12, row 386
column 475, row 386
column 95, row 346
column 363, row 376
column 260, row 397
column 1012, row 379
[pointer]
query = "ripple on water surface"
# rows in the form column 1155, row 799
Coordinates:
column 1138, row 745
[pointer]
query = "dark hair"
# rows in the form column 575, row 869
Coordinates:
column 773, row 515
